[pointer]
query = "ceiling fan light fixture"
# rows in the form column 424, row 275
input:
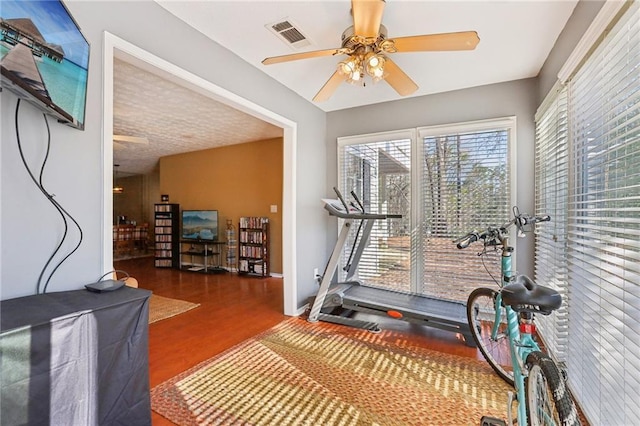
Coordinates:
column 375, row 66
column 373, row 60
column 366, row 45
column 352, row 69
column 356, row 78
column 348, row 67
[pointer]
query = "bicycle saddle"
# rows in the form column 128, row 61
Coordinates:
column 523, row 295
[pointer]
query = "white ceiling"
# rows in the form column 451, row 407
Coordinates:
column 516, row 37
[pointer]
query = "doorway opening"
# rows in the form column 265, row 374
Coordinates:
column 116, row 47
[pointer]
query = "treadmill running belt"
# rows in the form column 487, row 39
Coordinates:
column 416, row 305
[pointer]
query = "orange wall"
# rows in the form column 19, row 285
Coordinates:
column 237, row 180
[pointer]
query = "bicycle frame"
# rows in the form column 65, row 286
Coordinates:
column 521, row 341
column 547, row 394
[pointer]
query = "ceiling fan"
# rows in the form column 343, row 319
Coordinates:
column 367, row 47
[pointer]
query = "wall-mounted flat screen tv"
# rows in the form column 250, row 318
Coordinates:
column 44, row 58
column 200, row 225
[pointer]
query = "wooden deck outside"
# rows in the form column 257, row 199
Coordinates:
column 19, row 67
column 19, row 63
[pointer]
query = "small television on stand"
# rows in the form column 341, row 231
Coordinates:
column 44, row 58
column 200, row 225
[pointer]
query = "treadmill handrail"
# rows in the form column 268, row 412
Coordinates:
column 335, row 208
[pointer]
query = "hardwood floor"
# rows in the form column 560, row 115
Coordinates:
column 234, row 308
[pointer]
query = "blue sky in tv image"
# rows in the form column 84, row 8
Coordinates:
column 65, row 81
column 54, row 23
column 200, row 225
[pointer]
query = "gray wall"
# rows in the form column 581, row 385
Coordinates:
column 30, row 227
column 578, row 23
column 515, row 98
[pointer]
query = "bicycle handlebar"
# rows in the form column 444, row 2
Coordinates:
column 463, row 243
column 492, row 235
column 526, row 220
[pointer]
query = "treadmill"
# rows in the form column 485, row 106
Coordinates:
column 350, row 295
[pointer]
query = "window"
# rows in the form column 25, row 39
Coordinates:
column 604, row 227
column 445, row 181
column 465, row 187
column 551, row 191
column 379, row 173
column 588, row 167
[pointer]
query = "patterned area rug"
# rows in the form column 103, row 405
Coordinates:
column 163, row 307
column 322, row 374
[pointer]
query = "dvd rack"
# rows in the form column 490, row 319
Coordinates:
column 166, row 230
column 253, row 247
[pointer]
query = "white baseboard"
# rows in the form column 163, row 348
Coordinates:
column 302, row 310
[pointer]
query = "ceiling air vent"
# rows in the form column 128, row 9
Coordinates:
column 286, row 30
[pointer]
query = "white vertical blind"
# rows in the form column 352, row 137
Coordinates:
column 604, row 227
column 551, row 191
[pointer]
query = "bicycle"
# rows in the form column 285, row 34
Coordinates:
column 502, row 325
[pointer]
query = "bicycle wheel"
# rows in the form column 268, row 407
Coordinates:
column 481, row 314
column 548, row 399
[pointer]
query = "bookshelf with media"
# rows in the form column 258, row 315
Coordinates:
column 166, row 240
column 253, row 246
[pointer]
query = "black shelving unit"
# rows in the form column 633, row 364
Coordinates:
column 253, row 247
column 202, row 256
column 167, row 232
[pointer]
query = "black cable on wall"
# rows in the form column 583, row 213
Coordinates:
column 63, row 213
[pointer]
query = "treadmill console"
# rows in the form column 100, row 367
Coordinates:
column 341, row 209
column 336, row 208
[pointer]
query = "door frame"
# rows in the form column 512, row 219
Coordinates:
column 114, row 46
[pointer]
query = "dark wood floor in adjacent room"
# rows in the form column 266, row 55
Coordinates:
column 233, row 308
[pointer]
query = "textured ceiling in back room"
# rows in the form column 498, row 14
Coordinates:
column 173, row 118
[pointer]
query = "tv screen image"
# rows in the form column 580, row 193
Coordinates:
column 44, row 58
column 200, row 225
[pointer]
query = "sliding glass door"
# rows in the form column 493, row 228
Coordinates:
column 445, row 181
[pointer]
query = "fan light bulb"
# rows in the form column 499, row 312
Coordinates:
column 375, row 66
column 352, row 69
column 345, row 68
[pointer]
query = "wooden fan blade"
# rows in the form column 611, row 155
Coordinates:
column 367, row 17
column 329, row 87
column 467, row 40
column 303, row 55
column 397, row 79
column 131, row 139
